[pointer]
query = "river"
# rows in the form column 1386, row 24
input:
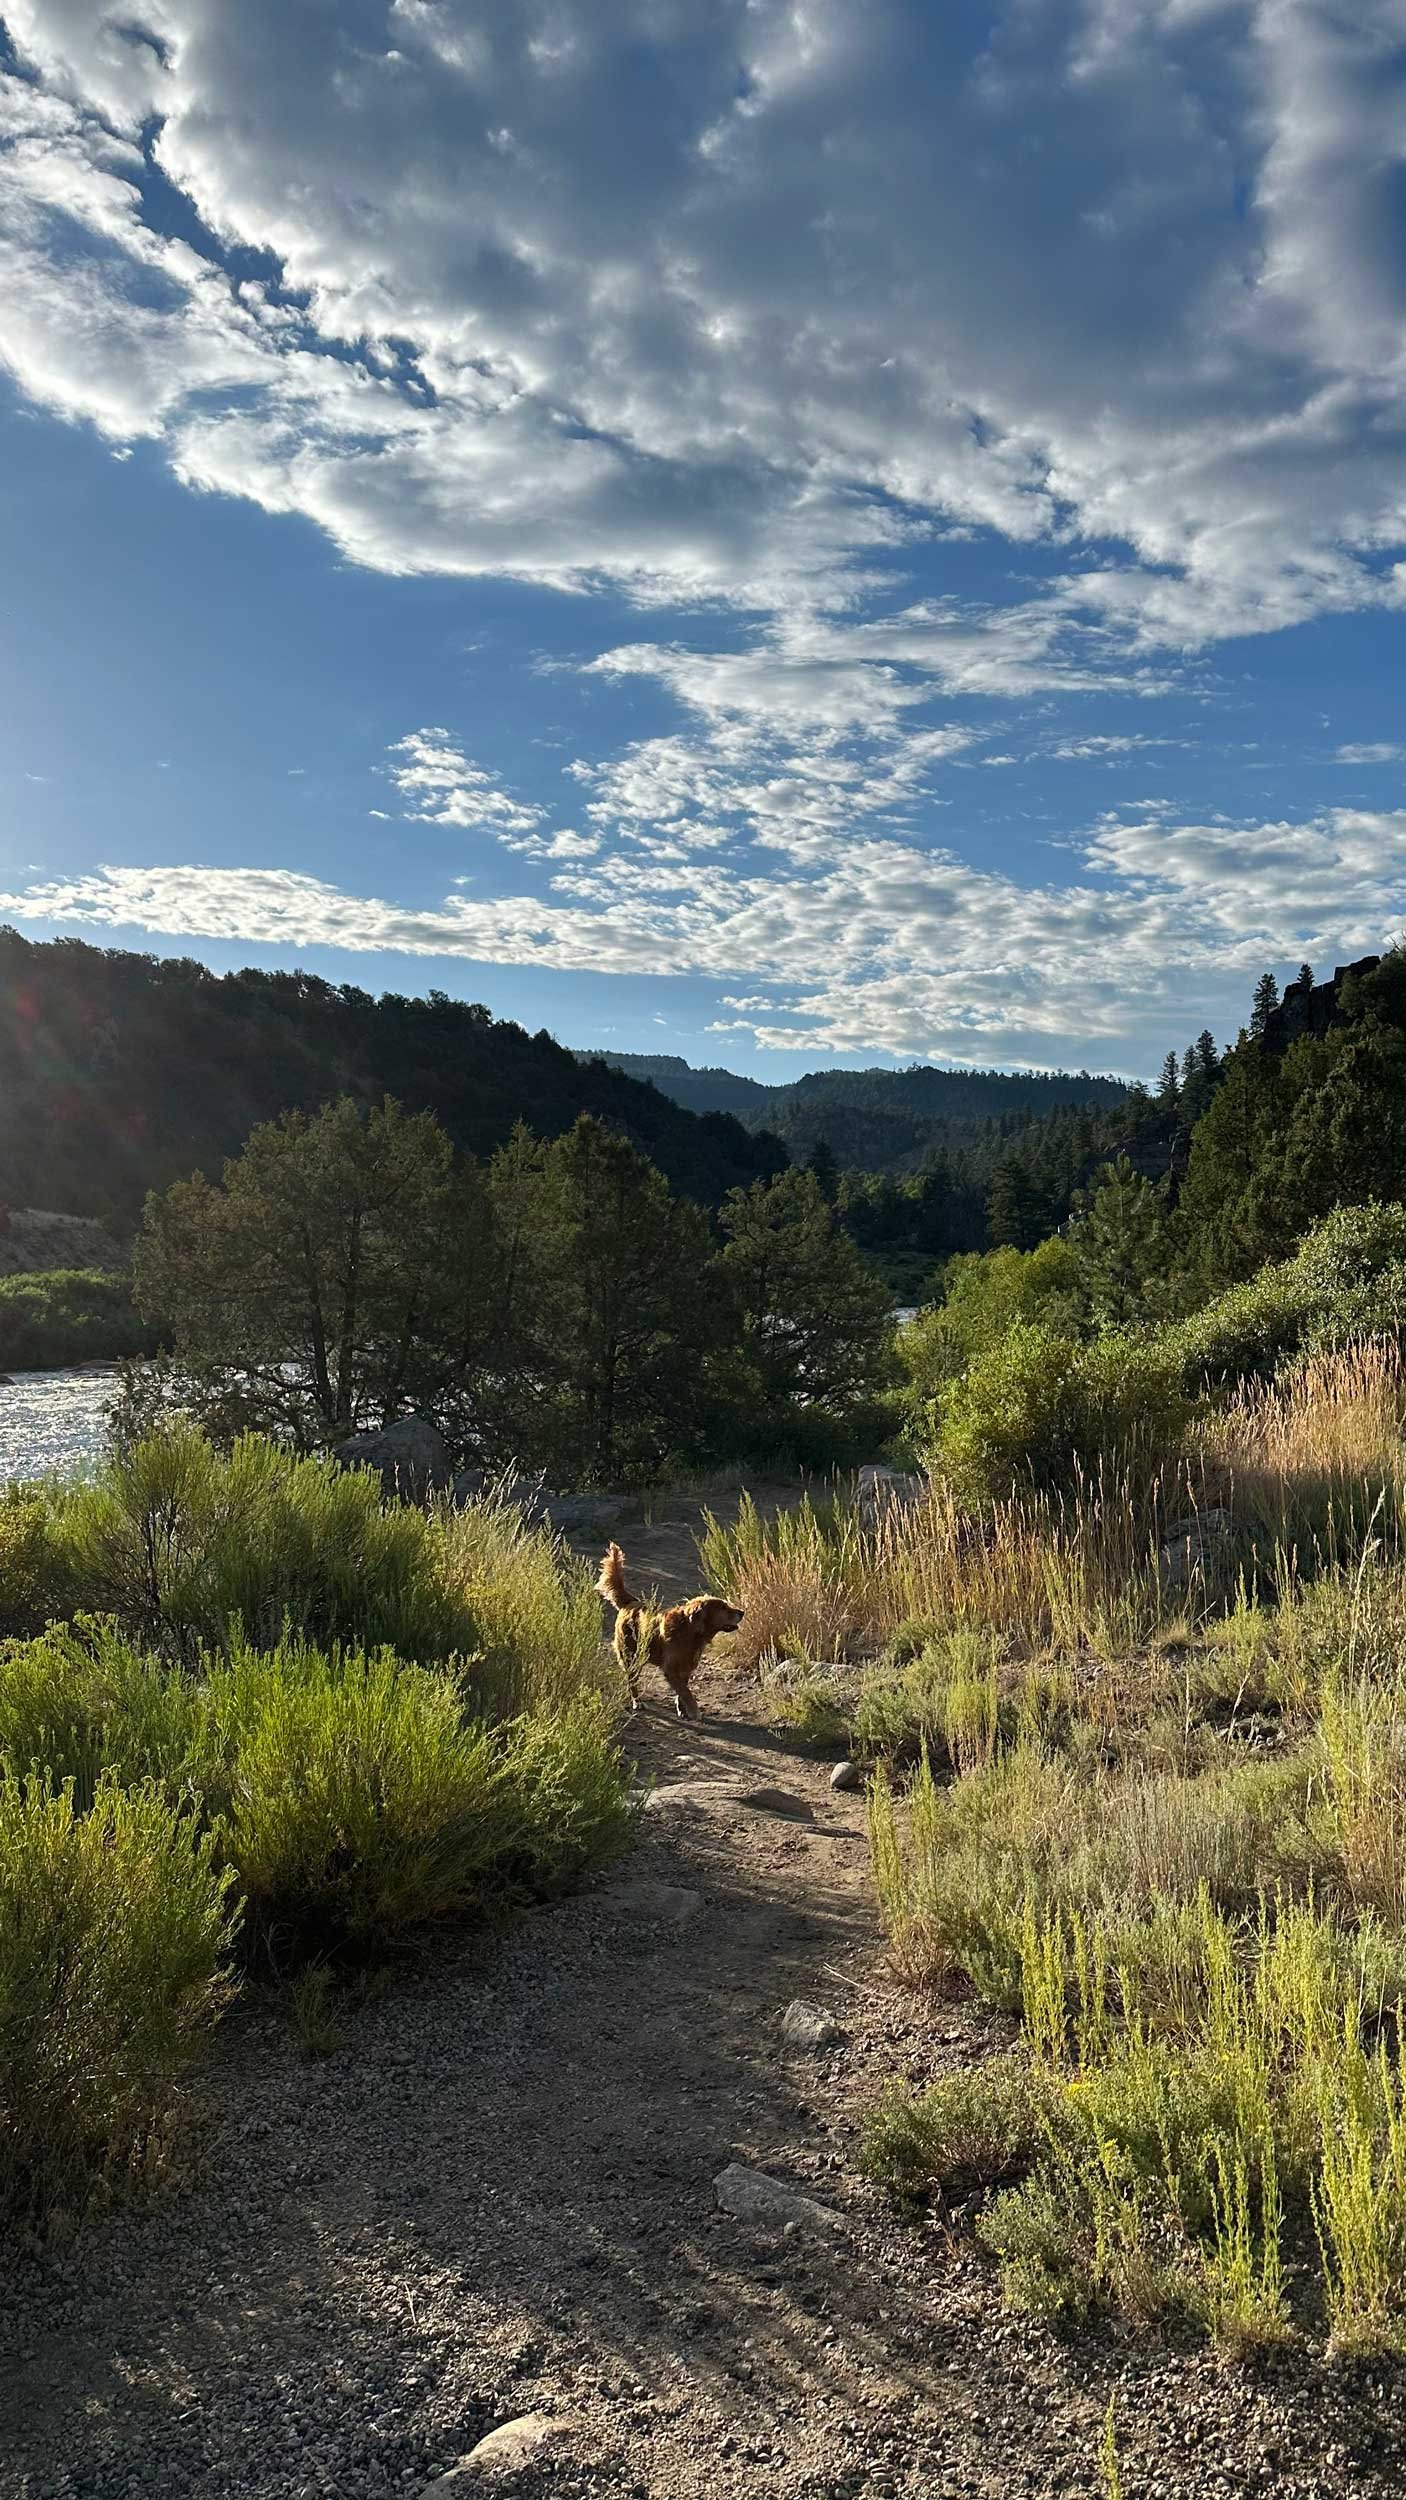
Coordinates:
column 53, row 1422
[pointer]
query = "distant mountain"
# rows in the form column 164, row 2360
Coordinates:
column 120, row 1073
column 876, row 1119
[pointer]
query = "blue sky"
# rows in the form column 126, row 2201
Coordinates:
column 784, row 533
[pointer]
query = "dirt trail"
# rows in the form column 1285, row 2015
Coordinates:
column 497, row 2197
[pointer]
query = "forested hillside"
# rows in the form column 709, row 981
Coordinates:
column 120, row 1073
column 878, row 1119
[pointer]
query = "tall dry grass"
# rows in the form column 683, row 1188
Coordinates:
column 1080, row 1571
column 1314, row 1463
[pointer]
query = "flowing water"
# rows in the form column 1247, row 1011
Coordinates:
column 53, row 1422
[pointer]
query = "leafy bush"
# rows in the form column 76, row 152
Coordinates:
column 353, row 1795
column 982, row 1295
column 182, row 1543
column 533, row 1608
column 350, row 1796
column 114, row 1930
column 1037, row 1410
column 973, row 2129
column 36, row 1574
column 69, row 1315
column 1346, row 1280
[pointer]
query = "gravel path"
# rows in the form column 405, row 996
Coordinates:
column 498, row 2198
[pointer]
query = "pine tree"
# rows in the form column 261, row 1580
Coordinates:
column 1262, row 1007
column 1018, row 1211
column 1121, row 1243
column 827, row 1171
column 1169, row 1083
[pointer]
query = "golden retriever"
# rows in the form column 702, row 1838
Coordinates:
column 673, row 1640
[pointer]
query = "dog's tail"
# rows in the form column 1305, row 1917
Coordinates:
column 612, row 1583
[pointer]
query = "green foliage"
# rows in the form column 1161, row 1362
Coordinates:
column 1037, row 1410
column 1346, row 1279
column 353, row 1795
column 805, row 1323
column 312, row 1290
column 980, row 1298
column 1121, row 1246
column 975, row 2128
column 605, row 1322
column 181, row 1543
column 115, row 1926
column 350, row 1795
column 69, row 1315
column 36, row 1576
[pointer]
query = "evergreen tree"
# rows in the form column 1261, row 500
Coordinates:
column 1121, row 1242
column 607, row 1320
column 1018, row 1210
column 1200, row 1070
column 807, row 1343
column 312, row 1290
column 1169, row 1083
column 822, row 1163
column 1262, row 1006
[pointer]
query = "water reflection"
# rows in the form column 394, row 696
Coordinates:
column 53, row 1421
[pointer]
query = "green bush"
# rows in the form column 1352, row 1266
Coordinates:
column 182, row 1544
column 114, row 1931
column 533, row 1607
column 79, row 1702
column 69, row 1315
column 354, row 1796
column 36, row 1574
column 350, row 1796
column 1346, row 1280
column 1036, row 1410
column 982, row 1295
column 971, row 2130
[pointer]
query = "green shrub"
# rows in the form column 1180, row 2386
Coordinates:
column 533, row 1608
column 973, row 2129
column 1038, row 1411
column 1346, row 1281
column 69, row 1315
column 183, row 1544
column 114, row 1930
column 350, row 1796
column 566, row 1799
column 36, row 1575
column 354, row 1795
column 79, row 1701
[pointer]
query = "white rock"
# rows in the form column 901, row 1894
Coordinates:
column 808, row 2026
column 847, row 1775
column 504, row 2452
column 751, row 2196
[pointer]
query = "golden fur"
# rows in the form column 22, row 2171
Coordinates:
column 672, row 1640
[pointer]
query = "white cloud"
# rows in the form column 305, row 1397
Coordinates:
column 1374, row 751
column 881, row 947
column 1068, row 274
column 433, row 774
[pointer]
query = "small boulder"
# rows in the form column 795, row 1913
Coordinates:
column 411, row 1457
column 1197, row 1548
column 806, row 2026
column 847, row 1775
column 467, row 1486
column 505, row 2452
column 781, row 1801
column 752, row 2196
column 882, row 1489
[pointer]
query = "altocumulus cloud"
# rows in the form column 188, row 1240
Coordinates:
column 877, row 949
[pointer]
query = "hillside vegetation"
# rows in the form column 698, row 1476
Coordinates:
column 121, row 1073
